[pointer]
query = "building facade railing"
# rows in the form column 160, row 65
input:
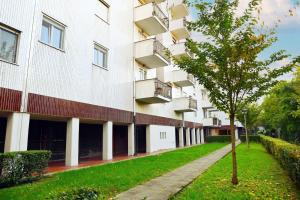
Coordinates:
column 163, row 89
column 160, row 15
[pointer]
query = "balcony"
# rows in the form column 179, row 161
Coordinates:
column 179, row 9
column 179, row 49
column 151, row 53
column 178, row 29
column 185, row 104
column 153, row 91
column 212, row 122
column 182, row 78
column 150, row 18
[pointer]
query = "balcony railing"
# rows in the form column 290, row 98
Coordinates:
column 161, row 50
column 163, row 89
column 160, row 15
column 193, row 103
column 215, row 121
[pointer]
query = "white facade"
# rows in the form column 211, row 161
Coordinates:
column 132, row 35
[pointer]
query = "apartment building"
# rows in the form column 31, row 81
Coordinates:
column 91, row 79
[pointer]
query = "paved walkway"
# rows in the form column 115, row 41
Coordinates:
column 163, row 187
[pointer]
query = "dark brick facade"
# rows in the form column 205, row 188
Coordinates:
column 10, row 100
column 50, row 106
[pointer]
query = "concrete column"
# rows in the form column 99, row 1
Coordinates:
column 198, row 136
column 131, row 139
column 193, row 136
column 148, row 140
column 16, row 138
column 187, row 137
column 202, row 136
column 107, row 140
column 72, row 143
column 236, row 134
column 181, row 141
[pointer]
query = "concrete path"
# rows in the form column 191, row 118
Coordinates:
column 163, row 187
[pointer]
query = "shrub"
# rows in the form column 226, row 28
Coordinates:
column 252, row 138
column 76, row 194
column 287, row 154
column 18, row 167
column 219, row 138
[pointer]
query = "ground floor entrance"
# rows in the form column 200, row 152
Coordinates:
column 141, row 139
column 90, row 141
column 177, row 137
column 48, row 135
column 3, row 124
column 120, row 140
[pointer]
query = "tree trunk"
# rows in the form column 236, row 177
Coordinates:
column 234, row 179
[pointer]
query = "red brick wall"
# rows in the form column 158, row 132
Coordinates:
column 50, row 106
column 10, row 100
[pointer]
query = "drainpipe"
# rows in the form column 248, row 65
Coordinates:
column 134, row 84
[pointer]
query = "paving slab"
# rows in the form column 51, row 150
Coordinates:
column 165, row 186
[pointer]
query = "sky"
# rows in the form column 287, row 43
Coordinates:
column 288, row 31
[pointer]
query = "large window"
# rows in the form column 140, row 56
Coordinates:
column 8, row 44
column 100, row 56
column 52, row 33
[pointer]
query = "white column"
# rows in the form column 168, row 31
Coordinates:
column 193, row 136
column 16, row 138
column 148, row 140
column 72, row 143
column 198, row 136
column 181, row 141
column 187, row 137
column 107, row 140
column 202, row 136
column 130, row 139
column 236, row 134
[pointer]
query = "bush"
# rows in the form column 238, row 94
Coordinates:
column 219, row 138
column 18, row 167
column 76, row 194
column 287, row 154
column 252, row 138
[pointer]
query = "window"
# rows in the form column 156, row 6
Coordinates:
column 100, row 56
column 143, row 74
column 52, row 33
column 163, row 135
column 8, row 44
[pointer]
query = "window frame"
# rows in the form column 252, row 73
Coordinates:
column 58, row 25
column 105, row 51
column 18, row 34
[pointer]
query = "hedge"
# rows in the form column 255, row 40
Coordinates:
column 219, row 138
column 287, row 154
column 252, row 138
column 23, row 166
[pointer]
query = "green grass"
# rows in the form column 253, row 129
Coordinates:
column 110, row 179
column 260, row 177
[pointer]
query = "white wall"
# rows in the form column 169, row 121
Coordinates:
column 156, row 143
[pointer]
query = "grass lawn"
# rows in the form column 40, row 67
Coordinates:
column 260, row 176
column 110, row 179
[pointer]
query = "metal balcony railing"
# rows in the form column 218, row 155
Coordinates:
column 215, row 121
column 161, row 50
column 192, row 103
column 163, row 89
column 160, row 15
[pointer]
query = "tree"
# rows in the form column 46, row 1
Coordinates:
column 252, row 117
column 280, row 110
column 226, row 62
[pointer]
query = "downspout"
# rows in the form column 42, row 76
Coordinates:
column 133, row 83
column 24, row 99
